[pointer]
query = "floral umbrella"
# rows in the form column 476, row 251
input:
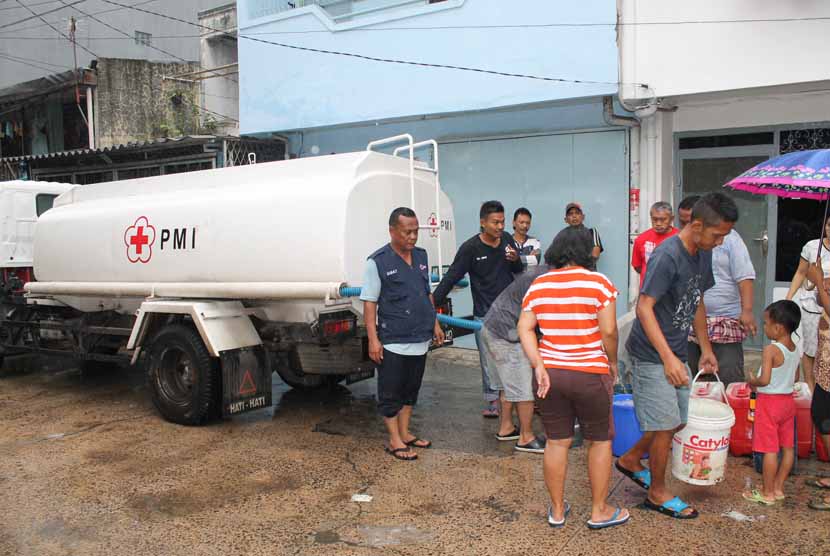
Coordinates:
column 796, row 175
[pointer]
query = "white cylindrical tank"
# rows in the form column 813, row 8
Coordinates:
column 307, row 221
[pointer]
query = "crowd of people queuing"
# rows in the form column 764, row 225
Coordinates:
column 548, row 341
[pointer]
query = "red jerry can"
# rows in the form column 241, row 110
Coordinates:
column 740, row 439
column 803, row 420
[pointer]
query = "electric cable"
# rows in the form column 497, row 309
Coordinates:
column 37, row 15
column 377, row 59
column 117, row 30
column 32, row 5
column 102, row 12
column 30, row 64
column 58, row 31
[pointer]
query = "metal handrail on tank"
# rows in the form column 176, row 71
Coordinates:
column 412, row 148
column 397, row 139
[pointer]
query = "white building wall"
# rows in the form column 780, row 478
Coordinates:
column 218, row 50
column 678, row 47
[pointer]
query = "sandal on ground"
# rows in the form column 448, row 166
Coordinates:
column 491, row 411
column 822, row 505
column 616, row 519
column 642, row 478
column 818, row 484
column 535, row 446
column 558, row 524
column 755, row 496
column 397, row 453
column 672, row 508
column 423, row 443
column 513, row 435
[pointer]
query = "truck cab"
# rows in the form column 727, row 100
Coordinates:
column 21, row 204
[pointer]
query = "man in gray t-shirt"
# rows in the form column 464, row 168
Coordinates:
column 508, row 369
column 670, row 301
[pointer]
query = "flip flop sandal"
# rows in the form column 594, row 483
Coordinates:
column 414, row 442
column 757, row 497
column 490, row 412
column 396, row 453
column 672, row 508
column 514, row 435
column 642, row 478
column 818, row 484
column 820, row 505
column 614, row 521
column 558, row 524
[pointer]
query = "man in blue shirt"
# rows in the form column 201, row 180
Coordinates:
column 400, row 322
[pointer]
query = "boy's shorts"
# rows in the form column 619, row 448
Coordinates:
column 774, row 423
column 659, row 405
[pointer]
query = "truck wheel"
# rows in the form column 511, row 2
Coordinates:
column 184, row 380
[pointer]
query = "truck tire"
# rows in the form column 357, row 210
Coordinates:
column 184, row 379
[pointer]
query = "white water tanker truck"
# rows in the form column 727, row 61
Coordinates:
column 214, row 279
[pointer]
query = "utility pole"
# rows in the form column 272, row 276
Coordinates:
column 72, row 28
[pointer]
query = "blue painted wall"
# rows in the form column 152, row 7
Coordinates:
column 284, row 89
column 544, row 174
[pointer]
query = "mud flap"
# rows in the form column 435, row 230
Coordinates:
column 246, row 380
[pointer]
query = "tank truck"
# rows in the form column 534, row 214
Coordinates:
column 212, row 280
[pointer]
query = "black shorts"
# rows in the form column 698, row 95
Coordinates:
column 399, row 380
column 820, row 409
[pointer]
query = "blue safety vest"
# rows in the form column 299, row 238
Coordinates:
column 405, row 313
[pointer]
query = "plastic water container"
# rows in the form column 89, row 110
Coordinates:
column 740, row 438
column 626, row 426
column 709, row 390
column 803, row 420
column 700, row 449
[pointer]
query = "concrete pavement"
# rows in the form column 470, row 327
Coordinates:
column 87, row 467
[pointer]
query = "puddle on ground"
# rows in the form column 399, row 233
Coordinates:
column 326, row 537
column 389, row 536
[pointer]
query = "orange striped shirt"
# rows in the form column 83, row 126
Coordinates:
column 566, row 302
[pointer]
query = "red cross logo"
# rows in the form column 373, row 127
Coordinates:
column 139, row 239
column 433, row 221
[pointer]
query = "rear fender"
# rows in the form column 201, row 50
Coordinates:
column 222, row 325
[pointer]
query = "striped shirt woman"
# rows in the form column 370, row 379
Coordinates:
column 575, row 365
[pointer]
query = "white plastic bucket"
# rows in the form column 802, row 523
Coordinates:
column 700, row 449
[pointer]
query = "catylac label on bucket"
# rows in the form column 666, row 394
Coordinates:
column 700, row 449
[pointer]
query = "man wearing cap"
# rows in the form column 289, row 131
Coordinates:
column 574, row 217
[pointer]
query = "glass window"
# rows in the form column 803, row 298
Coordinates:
column 714, row 141
column 43, row 202
column 143, row 38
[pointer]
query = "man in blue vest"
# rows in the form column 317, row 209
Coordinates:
column 400, row 322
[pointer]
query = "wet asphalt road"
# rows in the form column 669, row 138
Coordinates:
column 87, row 467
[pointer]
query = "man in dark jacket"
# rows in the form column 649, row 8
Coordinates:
column 401, row 323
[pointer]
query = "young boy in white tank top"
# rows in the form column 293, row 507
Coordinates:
column 774, row 407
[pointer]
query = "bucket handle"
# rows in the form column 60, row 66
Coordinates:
column 722, row 390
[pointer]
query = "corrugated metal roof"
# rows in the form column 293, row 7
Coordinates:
column 183, row 140
column 45, row 85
